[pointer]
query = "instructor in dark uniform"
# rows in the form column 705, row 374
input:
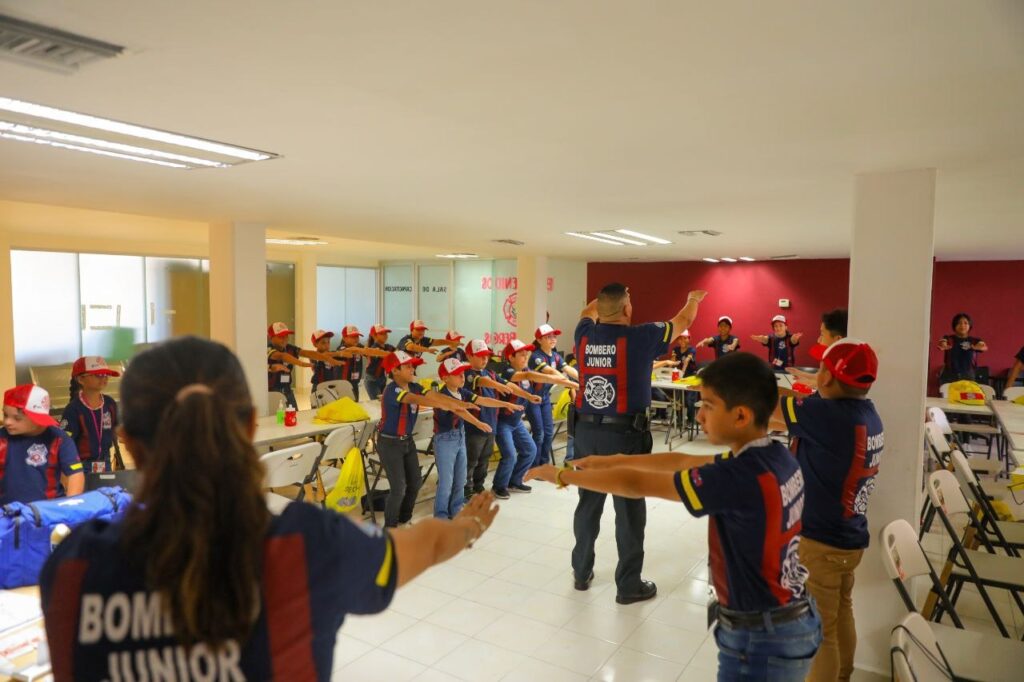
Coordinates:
column 612, row 417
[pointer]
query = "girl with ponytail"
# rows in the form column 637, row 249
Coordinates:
column 199, row 580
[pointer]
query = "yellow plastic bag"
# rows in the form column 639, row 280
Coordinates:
column 692, row 380
column 560, row 410
column 965, row 393
column 1019, row 400
column 351, row 484
column 341, row 411
column 431, row 385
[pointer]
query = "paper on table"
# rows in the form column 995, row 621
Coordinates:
column 17, row 610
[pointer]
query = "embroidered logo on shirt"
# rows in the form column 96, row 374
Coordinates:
column 36, row 455
column 599, row 393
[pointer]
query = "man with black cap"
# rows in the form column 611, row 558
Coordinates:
column 612, row 416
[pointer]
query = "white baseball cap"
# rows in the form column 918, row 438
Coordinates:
column 779, row 318
column 546, row 329
column 34, row 401
column 478, row 347
column 452, row 367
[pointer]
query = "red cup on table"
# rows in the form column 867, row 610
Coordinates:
column 675, row 375
column 291, row 417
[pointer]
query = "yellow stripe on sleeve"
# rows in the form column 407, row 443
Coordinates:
column 384, row 574
column 401, row 394
column 668, row 332
column 76, row 466
column 790, row 400
column 691, row 494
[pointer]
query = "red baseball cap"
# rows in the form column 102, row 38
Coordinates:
column 418, row 324
column 453, row 335
column 92, row 364
column 33, row 400
column 396, row 359
column 851, row 361
column 452, row 367
column 279, row 329
column 320, row 334
column 514, row 346
column 478, row 347
column 545, row 330
column 351, row 330
column 378, row 329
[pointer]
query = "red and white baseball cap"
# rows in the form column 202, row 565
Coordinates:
column 418, row 324
column 545, row 330
column 779, row 318
column 33, row 400
column 852, row 361
column 396, row 359
column 686, row 333
column 725, row 318
column 351, row 330
column 379, row 328
column 452, row 367
column 279, row 329
column 515, row 345
column 479, row 348
column 92, row 364
column 321, row 334
column 453, row 335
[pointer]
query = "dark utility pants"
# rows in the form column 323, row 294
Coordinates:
column 402, row 466
column 630, row 515
column 479, row 447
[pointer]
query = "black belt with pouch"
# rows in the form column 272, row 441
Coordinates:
column 641, row 421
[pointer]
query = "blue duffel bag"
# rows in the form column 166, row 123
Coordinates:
column 25, row 529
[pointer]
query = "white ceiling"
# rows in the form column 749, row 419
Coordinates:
column 446, row 124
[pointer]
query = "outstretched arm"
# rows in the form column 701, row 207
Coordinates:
column 688, row 313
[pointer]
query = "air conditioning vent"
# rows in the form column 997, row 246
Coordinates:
column 788, row 256
column 699, row 233
column 510, row 242
column 50, row 48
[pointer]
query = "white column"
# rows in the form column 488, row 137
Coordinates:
column 238, row 299
column 890, row 304
column 7, row 373
column 305, row 310
column 531, row 295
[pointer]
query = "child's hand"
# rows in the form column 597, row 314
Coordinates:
column 517, row 407
column 944, row 344
column 596, row 462
column 796, row 337
column 545, row 472
column 432, row 350
column 504, row 389
column 535, row 399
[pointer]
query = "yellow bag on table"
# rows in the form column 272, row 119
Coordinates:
column 341, row 411
column 692, row 380
column 965, row 393
column 351, row 485
column 1019, row 400
column 430, row 385
column 560, row 410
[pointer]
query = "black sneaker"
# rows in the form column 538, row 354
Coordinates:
column 584, row 585
column 648, row 590
column 500, row 493
column 468, row 493
column 519, row 488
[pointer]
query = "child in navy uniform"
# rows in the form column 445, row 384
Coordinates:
column 725, row 342
column 961, row 351
column 832, row 328
column 90, row 417
column 450, row 437
column 323, row 371
column 376, row 377
column 353, row 353
column 205, row 582
column 837, row 437
column 282, row 356
column 754, row 495
column 546, row 360
column 416, row 342
column 781, row 344
column 479, row 443
column 452, row 351
column 37, row 460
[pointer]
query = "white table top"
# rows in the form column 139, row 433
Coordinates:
column 268, row 431
column 784, row 380
column 1011, row 420
column 957, row 408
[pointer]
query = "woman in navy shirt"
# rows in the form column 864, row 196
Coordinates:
column 961, row 351
column 199, row 579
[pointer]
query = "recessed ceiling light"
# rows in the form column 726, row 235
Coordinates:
column 83, row 132
column 456, row 256
column 619, row 238
column 748, row 259
column 583, row 235
column 710, row 260
column 728, row 260
column 296, row 241
column 641, row 235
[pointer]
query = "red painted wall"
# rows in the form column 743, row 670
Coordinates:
column 749, row 293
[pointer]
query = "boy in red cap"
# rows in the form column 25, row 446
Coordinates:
column 91, row 417
column 479, row 443
column 416, row 342
column 453, row 351
column 546, row 360
column 837, row 437
column 37, row 460
column 376, row 377
column 353, row 353
column 781, row 344
column 282, row 356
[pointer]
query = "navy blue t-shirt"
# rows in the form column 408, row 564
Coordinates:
column 505, row 375
column 403, row 344
column 92, row 431
column 538, row 361
column 446, row 420
column 614, row 363
column 398, row 418
column 781, row 351
column 719, row 344
column 755, row 500
column 680, row 355
column 278, row 380
column 323, row 372
column 458, row 353
column 351, row 367
column 838, row 444
column 488, row 415
column 103, row 623
column 31, row 466
column 374, row 367
column 961, row 359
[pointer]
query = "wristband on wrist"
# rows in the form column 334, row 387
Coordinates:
column 558, row 476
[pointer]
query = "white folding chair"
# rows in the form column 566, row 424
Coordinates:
column 339, row 388
column 904, row 559
column 1013, row 393
column 336, row 446
column 293, row 466
column 1008, row 535
column 320, row 396
column 915, row 652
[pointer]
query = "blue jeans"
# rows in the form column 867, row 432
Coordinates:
column 570, row 448
column 517, row 453
column 450, row 456
column 542, row 428
column 773, row 653
column 375, row 386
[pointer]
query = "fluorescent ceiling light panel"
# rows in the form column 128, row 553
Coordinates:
column 620, row 239
column 710, row 260
column 78, row 148
column 296, row 241
column 456, row 256
column 641, row 235
column 748, row 259
column 583, row 235
column 728, row 260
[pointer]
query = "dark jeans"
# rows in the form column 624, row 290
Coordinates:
column 402, row 466
column 773, row 653
column 375, row 386
column 630, row 515
column 479, row 447
column 542, row 429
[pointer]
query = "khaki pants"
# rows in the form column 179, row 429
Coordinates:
column 831, row 584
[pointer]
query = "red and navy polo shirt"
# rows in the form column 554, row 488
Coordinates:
column 614, row 363
column 278, row 380
column 719, row 344
column 488, row 415
column 755, row 500
column 407, row 340
column 92, row 431
column 838, row 444
column 680, row 355
column 31, row 466
column 351, row 367
column 398, row 418
column 446, row 420
column 781, row 351
column 505, row 375
column 375, row 367
column 539, row 360
column 104, row 623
